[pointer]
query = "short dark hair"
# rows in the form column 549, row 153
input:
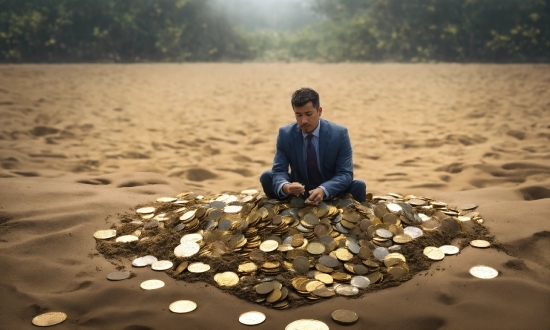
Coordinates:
column 304, row 95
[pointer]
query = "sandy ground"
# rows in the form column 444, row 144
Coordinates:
column 80, row 144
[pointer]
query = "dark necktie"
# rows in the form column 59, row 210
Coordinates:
column 312, row 168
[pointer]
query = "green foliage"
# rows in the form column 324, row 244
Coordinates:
column 119, row 31
column 349, row 30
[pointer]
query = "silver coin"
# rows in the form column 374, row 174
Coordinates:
column 360, row 281
column 144, row 261
column 186, row 249
column 484, row 272
column 182, row 306
column 413, row 232
column 449, row 249
column 384, row 233
column 252, row 318
column 395, row 208
column 118, row 276
column 380, row 253
column 162, row 265
column 346, row 290
column 152, row 284
column 191, row 238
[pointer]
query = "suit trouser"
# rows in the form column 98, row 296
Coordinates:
column 357, row 188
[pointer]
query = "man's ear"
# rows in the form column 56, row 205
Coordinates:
column 320, row 110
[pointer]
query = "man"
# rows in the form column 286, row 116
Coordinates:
column 319, row 155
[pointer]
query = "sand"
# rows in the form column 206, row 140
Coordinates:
column 81, row 144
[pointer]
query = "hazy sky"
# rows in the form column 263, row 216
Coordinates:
column 267, row 14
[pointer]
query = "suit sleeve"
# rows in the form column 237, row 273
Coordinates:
column 280, row 164
column 343, row 177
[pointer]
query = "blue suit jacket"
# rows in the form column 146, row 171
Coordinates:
column 335, row 157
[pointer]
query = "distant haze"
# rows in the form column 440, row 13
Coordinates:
column 278, row 15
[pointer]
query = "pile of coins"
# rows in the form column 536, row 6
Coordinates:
column 285, row 250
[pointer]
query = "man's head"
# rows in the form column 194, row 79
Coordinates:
column 307, row 110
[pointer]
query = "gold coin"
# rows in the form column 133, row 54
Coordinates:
column 49, row 319
column 227, row 279
column 402, row 238
column 188, row 216
column 191, row 238
column 316, row 248
column 249, row 192
column 181, row 267
column 479, row 243
column 252, row 318
column 434, row 253
column 247, row 267
column 183, row 306
column 325, row 278
column 398, row 271
column 127, row 238
column 301, row 264
column 105, row 234
column 232, row 209
column 152, row 284
column 198, row 267
column 269, row 245
column 166, row 199
column 344, row 254
column 274, row 296
column 314, row 285
column 483, row 272
column 307, row 324
column 464, row 218
column 343, row 316
column 146, row 210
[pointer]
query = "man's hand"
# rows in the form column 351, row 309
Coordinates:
column 316, row 196
column 294, row 188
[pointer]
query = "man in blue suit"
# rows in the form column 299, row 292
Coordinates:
column 319, row 155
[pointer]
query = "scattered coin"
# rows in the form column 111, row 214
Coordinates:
column 49, row 319
column 467, row 207
column 119, row 276
column 434, row 253
column 127, row 238
column 152, row 284
column 105, row 234
column 252, row 318
column 183, row 306
column 144, row 261
column 484, row 272
column 449, row 249
column 479, row 243
column 162, row 265
column 344, row 316
column 166, row 200
column 146, row 210
column 346, row 290
column 307, row 324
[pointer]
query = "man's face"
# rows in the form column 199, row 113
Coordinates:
column 307, row 117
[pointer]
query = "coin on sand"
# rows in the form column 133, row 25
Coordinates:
column 346, row 290
column 49, row 319
column 146, row 210
column 344, row 316
column 127, row 238
column 484, row 272
column 183, row 306
column 467, row 207
column 226, row 279
column 269, row 245
column 449, row 249
column 252, row 318
column 186, row 249
column 144, row 261
column 162, row 265
column 307, row 324
column 152, row 284
column 118, row 276
column 479, row 243
column 105, row 234
column 434, row 253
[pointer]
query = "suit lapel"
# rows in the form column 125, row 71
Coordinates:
column 324, row 137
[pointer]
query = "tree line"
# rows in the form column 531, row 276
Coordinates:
column 55, row 31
